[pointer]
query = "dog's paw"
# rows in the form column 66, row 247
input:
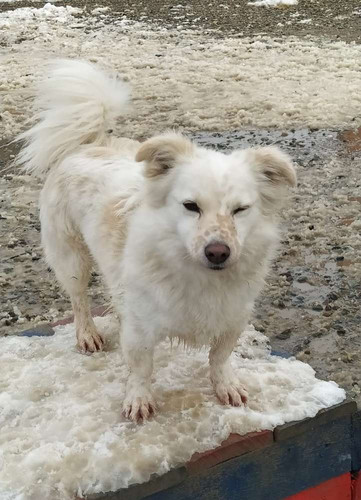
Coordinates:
column 90, row 341
column 231, row 392
column 139, row 406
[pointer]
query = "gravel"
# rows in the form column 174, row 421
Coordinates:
column 334, row 19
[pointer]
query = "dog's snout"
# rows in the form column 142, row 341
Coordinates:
column 217, row 253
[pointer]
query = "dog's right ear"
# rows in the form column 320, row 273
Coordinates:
column 161, row 153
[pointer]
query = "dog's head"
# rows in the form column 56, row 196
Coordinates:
column 210, row 200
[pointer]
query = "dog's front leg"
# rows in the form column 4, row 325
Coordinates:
column 138, row 352
column 225, row 381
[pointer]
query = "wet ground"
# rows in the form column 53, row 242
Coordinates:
column 334, row 19
column 311, row 304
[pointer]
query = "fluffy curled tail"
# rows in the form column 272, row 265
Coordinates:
column 77, row 104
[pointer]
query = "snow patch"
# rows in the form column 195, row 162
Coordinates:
column 32, row 14
column 62, row 431
column 273, row 3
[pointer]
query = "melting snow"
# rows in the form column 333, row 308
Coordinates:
column 184, row 78
column 62, row 431
column 273, row 3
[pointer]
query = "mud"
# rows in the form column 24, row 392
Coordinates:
column 334, row 19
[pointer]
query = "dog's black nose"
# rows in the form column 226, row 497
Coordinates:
column 217, row 253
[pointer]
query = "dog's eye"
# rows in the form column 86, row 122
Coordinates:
column 192, row 206
column 240, row 209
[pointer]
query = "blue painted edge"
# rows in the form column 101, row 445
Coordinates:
column 281, row 354
column 38, row 331
column 46, row 330
column 275, row 472
column 356, row 442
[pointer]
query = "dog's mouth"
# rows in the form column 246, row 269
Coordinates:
column 216, row 268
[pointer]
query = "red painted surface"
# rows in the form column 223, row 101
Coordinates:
column 234, row 446
column 356, row 487
column 338, row 488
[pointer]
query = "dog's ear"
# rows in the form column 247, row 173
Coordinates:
column 161, row 153
column 275, row 173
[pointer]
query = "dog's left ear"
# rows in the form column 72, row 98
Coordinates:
column 275, row 173
column 162, row 152
column 275, row 166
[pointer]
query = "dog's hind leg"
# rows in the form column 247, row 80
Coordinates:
column 69, row 257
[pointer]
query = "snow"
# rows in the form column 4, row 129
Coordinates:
column 273, row 3
column 185, row 79
column 62, row 431
column 31, row 15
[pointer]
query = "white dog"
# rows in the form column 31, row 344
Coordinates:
column 182, row 235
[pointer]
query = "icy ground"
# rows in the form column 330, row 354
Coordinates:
column 182, row 78
column 60, row 412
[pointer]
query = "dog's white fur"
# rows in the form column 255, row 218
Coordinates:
column 121, row 204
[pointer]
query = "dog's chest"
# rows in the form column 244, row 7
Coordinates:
column 197, row 314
